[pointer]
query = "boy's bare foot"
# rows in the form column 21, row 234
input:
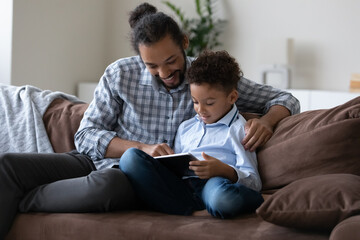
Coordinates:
column 202, row 213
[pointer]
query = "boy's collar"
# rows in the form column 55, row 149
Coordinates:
column 227, row 120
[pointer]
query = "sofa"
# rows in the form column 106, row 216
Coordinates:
column 310, row 171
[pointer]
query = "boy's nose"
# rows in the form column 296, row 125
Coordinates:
column 201, row 108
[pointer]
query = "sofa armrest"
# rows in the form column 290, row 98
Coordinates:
column 62, row 119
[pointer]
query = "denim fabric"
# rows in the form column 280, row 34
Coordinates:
column 157, row 186
column 163, row 191
column 225, row 199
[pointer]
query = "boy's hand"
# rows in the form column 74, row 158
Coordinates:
column 212, row 167
column 257, row 133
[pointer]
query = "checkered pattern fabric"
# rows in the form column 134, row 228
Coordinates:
column 131, row 104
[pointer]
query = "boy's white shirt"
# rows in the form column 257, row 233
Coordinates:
column 221, row 140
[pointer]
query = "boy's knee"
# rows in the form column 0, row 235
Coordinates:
column 131, row 159
column 220, row 200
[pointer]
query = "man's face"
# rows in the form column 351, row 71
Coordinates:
column 165, row 60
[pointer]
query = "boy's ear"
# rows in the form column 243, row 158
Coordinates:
column 233, row 96
column 185, row 42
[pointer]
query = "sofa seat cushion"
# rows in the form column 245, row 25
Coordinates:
column 149, row 225
column 348, row 229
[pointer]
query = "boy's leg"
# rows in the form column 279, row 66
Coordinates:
column 225, row 199
column 157, row 186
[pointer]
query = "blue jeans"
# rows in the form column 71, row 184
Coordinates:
column 163, row 191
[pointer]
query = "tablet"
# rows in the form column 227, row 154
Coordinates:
column 178, row 163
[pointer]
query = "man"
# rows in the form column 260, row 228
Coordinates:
column 140, row 102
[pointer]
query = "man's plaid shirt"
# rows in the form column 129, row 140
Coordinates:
column 131, row 104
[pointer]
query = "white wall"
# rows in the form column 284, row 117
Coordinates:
column 325, row 32
column 6, row 8
column 58, row 43
column 120, row 29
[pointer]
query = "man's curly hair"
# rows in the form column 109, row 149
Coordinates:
column 215, row 68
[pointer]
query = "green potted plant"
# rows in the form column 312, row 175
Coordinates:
column 204, row 31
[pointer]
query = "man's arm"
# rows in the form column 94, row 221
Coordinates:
column 118, row 146
column 270, row 103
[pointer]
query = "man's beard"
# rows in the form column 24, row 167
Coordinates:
column 181, row 75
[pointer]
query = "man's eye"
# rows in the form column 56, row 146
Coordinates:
column 171, row 62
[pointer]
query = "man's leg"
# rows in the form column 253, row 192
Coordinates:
column 30, row 177
column 156, row 185
column 225, row 199
column 100, row 191
column 19, row 173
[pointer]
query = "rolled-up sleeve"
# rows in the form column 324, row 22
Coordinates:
column 258, row 98
column 97, row 127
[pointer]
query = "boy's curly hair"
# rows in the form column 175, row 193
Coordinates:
column 215, row 68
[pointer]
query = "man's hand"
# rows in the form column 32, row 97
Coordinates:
column 156, row 149
column 212, row 167
column 118, row 146
column 257, row 133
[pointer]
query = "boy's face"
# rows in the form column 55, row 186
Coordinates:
column 165, row 60
column 211, row 102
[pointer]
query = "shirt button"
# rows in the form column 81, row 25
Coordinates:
column 165, row 141
column 167, row 117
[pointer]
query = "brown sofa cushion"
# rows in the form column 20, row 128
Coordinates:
column 312, row 143
column 149, row 225
column 348, row 229
column 62, row 119
column 318, row 202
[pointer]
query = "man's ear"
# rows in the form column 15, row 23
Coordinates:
column 185, row 42
column 233, row 96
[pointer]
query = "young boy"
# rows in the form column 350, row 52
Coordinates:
column 226, row 180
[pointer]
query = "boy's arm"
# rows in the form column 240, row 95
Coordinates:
column 212, row 167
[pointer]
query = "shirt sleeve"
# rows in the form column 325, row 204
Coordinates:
column 96, row 129
column 246, row 161
column 258, row 98
column 177, row 142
